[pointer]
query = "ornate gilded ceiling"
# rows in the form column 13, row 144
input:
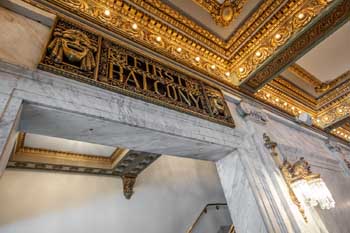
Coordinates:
column 273, row 24
column 223, row 12
column 247, row 52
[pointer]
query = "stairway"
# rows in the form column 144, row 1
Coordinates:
column 214, row 218
column 226, row 229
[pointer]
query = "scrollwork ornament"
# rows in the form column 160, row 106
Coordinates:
column 247, row 111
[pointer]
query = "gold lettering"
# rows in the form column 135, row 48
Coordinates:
column 184, row 97
column 180, row 81
column 133, row 80
column 158, row 71
column 171, row 78
column 120, row 72
column 145, row 86
column 174, row 91
column 148, row 67
column 196, row 101
column 157, row 90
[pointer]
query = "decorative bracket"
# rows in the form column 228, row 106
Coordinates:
column 131, row 165
column 128, row 186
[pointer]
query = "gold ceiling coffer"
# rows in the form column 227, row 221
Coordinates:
column 124, row 163
column 77, row 53
column 306, row 189
column 223, row 13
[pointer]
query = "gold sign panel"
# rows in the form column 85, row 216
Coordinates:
column 77, row 53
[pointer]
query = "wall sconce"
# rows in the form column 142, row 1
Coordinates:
column 305, row 187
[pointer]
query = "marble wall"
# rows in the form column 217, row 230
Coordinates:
column 270, row 196
column 44, row 103
column 22, row 39
column 239, row 195
column 10, row 111
column 60, row 107
column 169, row 195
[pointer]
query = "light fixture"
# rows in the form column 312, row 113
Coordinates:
column 134, row 26
column 197, row 59
column 227, row 74
column 277, row 99
column 301, row 15
column 107, row 12
column 213, row 67
column 179, row 50
column 241, row 69
column 278, row 36
column 158, row 38
column 258, row 53
column 306, row 189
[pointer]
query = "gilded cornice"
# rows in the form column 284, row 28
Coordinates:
column 342, row 132
column 202, row 35
column 340, row 87
column 262, row 74
column 318, row 86
column 293, row 91
column 267, row 41
column 122, row 15
column 222, row 13
column 304, row 75
column 282, row 101
column 338, row 110
column 335, row 92
column 347, row 126
column 326, row 110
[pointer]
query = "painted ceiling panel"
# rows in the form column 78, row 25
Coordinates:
column 331, row 58
column 65, row 145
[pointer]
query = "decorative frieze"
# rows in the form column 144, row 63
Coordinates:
column 77, row 53
column 223, row 13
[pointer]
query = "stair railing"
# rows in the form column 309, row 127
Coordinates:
column 204, row 211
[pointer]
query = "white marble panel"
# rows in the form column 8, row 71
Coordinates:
column 121, row 120
column 169, row 195
column 8, row 124
column 243, row 206
column 22, row 40
column 65, row 145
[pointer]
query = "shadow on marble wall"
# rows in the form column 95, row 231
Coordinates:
column 168, row 197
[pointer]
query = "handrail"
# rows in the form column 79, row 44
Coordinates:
column 205, row 211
